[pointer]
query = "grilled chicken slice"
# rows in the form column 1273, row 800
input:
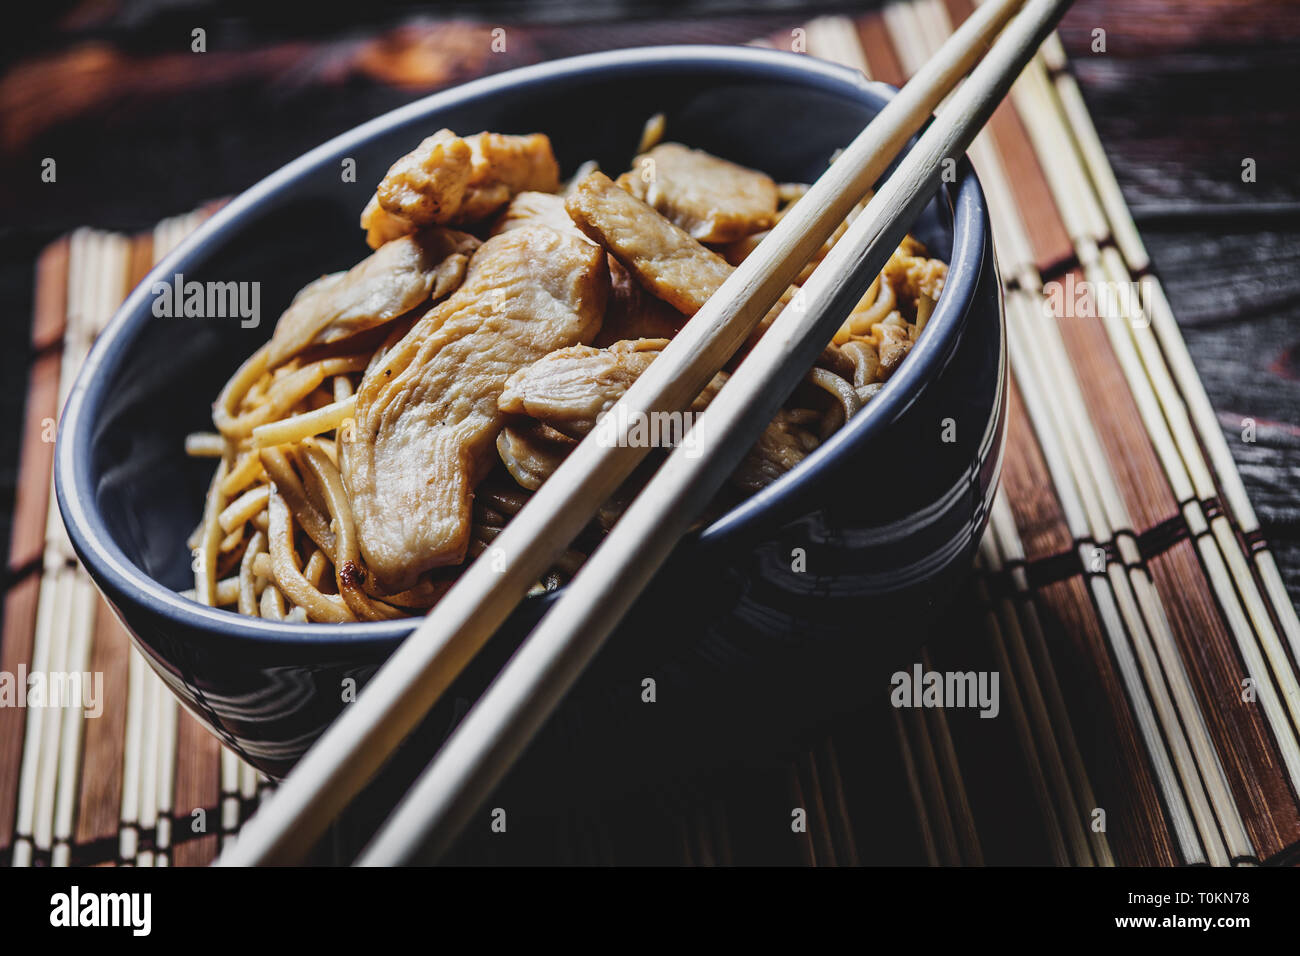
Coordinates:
column 503, row 166
column 428, row 184
column 448, row 179
column 632, row 312
column 427, row 418
column 382, row 226
column 532, row 208
column 571, row 388
column 711, row 199
column 531, row 452
column 664, row 259
column 400, row 276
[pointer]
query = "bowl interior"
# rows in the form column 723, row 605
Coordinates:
column 155, row 380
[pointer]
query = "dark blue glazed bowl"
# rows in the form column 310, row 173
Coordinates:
column 742, row 646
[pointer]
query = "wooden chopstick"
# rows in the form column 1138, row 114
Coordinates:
column 402, row 691
column 504, row 720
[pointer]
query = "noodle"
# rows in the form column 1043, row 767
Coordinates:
column 224, row 414
column 849, row 401
column 231, row 541
column 283, row 394
column 272, row 603
column 225, row 593
column 247, row 579
column 865, row 359
column 421, row 597
column 314, row 572
column 288, row 431
column 862, row 319
column 508, row 502
column 262, row 563
column 243, row 508
column 290, row 488
column 205, row 561
column 247, row 470
column 347, row 557
column 315, row 492
column 489, row 517
column 204, row 445
column 284, row 565
column 330, row 448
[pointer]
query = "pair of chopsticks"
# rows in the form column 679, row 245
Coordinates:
column 506, row 717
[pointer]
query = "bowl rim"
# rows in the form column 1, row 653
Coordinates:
column 118, row 575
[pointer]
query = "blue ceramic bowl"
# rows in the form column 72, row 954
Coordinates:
column 741, row 645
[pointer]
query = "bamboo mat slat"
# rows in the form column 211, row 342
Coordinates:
column 1122, row 594
column 15, row 658
column 31, row 496
column 101, row 797
column 107, row 789
column 1124, row 780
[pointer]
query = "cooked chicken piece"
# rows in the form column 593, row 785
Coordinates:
column 503, row 166
column 571, row 388
column 398, row 277
column 665, row 260
column 449, row 179
column 382, row 226
column 427, row 417
column 429, row 183
column 532, row 452
column 632, row 312
column 531, row 208
column 711, row 199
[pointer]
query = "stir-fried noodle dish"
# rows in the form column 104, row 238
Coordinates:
column 405, row 409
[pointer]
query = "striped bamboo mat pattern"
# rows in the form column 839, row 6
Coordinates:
column 1145, row 645
column 141, row 783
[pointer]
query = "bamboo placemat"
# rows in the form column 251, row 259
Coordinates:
column 1145, row 644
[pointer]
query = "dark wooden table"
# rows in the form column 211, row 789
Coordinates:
column 1183, row 93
